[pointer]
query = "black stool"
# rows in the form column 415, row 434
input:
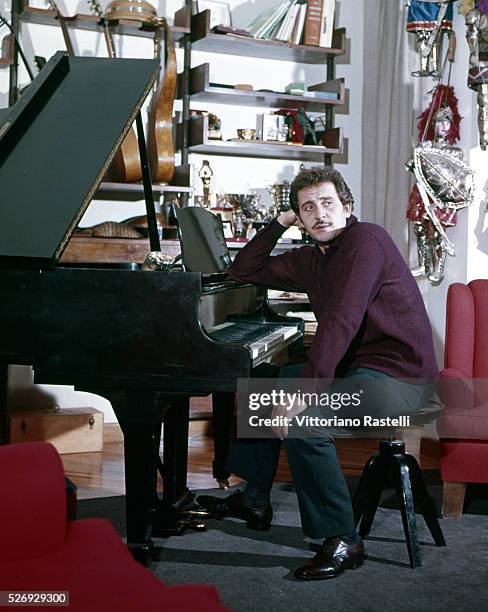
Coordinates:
column 393, row 467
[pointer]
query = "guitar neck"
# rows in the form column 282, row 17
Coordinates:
column 64, row 30
column 109, row 41
column 97, row 10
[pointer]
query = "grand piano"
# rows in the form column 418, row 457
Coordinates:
column 145, row 340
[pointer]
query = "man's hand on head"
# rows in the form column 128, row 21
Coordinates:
column 288, row 218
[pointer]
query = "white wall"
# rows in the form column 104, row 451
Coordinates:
column 230, row 174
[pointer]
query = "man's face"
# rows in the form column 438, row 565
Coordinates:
column 321, row 213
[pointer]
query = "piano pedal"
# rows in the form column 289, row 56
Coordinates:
column 171, row 521
column 193, row 524
column 190, row 513
column 223, row 483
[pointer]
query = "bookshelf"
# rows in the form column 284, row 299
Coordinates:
column 194, row 86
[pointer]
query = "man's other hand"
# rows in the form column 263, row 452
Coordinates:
column 284, row 415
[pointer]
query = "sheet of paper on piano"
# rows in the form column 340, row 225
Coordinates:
column 310, row 324
column 287, row 296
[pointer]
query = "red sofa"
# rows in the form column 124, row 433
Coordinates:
column 41, row 551
column 463, row 425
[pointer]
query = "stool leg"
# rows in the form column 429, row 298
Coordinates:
column 401, row 482
column 361, row 493
column 368, row 493
column 426, row 503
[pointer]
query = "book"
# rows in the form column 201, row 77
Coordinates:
column 281, row 33
column 311, row 35
column 291, row 24
column 327, row 23
column 321, row 95
column 276, row 16
column 262, row 19
column 275, row 22
column 299, row 23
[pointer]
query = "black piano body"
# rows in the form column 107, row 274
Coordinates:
column 136, row 338
column 141, row 339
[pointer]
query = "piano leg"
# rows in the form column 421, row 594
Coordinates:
column 174, row 513
column 140, row 417
column 223, row 406
column 175, row 450
column 4, row 433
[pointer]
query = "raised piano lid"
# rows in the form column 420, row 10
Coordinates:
column 56, row 144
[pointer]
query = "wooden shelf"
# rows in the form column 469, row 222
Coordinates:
column 269, row 151
column 136, row 190
column 182, row 176
column 202, row 90
column 203, row 39
column 199, row 143
column 91, row 22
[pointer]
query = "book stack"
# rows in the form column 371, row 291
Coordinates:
column 308, row 22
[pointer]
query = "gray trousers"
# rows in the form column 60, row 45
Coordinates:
column 323, row 497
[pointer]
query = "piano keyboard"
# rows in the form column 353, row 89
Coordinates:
column 259, row 338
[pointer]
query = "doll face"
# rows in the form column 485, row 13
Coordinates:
column 442, row 127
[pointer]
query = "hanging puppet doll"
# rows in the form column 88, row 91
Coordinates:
column 444, row 183
column 476, row 15
column 428, row 20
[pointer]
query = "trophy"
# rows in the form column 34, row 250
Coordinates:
column 281, row 198
column 205, row 174
column 247, row 210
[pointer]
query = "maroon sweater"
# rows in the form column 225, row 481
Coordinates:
column 369, row 310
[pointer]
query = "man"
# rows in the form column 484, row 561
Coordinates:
column 372, row 326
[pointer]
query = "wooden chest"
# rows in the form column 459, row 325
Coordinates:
column 74, row 430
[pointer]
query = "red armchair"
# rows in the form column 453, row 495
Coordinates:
column 41, row 551
column 463, row 425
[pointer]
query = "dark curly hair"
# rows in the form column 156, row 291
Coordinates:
column 315, row 176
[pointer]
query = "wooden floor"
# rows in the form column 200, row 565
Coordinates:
column 101, row 474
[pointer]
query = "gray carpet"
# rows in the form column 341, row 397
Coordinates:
column 254, row 571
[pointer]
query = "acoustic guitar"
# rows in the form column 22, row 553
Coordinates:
column 126, row 166
column 160, row 115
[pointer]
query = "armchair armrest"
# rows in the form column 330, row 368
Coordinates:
column 33, row 508
column 456, row 390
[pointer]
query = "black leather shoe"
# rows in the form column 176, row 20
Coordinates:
column 333, row 558
column 256, row 517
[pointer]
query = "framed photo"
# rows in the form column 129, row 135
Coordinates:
column 219, row 12
column 228, row 230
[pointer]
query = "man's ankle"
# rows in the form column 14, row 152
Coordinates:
column 256, row 497
column 352, row 537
